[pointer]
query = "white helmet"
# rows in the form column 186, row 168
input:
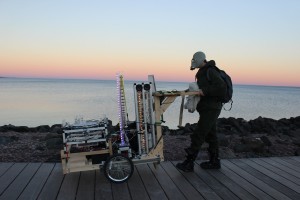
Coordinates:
column 198, row 58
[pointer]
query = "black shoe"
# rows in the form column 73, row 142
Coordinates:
column 186, row 166
column 214, row 164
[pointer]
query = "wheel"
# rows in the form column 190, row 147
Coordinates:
column 118, row 168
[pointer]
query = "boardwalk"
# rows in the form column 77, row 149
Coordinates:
column 256, row 178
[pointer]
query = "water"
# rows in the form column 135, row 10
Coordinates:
column 34, row 102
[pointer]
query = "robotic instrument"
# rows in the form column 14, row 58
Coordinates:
column 90, row 144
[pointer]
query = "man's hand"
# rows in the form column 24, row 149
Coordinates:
column 201, row 92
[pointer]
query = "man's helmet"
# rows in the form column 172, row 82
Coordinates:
column 198, row 58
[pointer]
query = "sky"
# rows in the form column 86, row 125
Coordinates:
column 256, row 42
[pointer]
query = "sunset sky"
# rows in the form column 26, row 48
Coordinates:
column 256, row 42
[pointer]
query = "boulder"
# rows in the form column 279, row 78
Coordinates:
column 255, row 144
column 54, row 143
column 297, row 152
column 4, row 140
column 43, row 128
column 56, row 128
column 223, row 140
column 266, row 140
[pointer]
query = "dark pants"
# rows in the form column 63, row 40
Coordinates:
column 206, row 131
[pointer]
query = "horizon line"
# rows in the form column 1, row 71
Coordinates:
column 59, row 78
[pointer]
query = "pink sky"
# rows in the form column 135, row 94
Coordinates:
column 97, row 40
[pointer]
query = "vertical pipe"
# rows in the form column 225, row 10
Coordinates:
column 144, row 93
column 139, row 89
column 137, row 116
column 152, row 114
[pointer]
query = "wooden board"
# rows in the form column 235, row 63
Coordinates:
column 237, row 179
column 151, row 184
column 205, row 191
column 53, row 184
column 15, row 189
column 255, row 181
column 268, row 180
column 37, row 182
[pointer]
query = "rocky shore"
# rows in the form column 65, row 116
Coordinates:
column 238, row 138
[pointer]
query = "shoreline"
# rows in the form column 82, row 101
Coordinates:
column 238, row 138
column 221, row 120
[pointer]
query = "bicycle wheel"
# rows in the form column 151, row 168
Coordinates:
column 118, row 168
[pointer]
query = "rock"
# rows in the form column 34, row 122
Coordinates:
column 296, row 142
column 296, row 121
column 297, row 152
column 294, row 133
column 241, row 148
column 266, row 140
column 223, row 140
column 43, row 128
column 56, row 128
column 40, row 148
column 5, row 140
column 226, row 153
column 54, row 143
column 263, row 125
column 255, row 144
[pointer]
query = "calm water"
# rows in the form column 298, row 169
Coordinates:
column 33, row 102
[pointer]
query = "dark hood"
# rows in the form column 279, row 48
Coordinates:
column 210, row 63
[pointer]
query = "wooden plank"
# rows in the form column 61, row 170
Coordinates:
column 103, row 187
column 120, row 191
column 276, row 170
column 18, row 185
column 231, row 185
column 255, row 181
column 273, row 175
column 255, row 191
column 4, row 167
column 222, row 191
column 282, row 167
column 137, row 188
column 166, row 182
column 297, row 158
column 69, row 186
column 199, row 185
column 10, row 175
column 151, row 184
column 295, row 164
column 183, row 185
column 86, row 188
column 36, row 184
column 53, row 184
column 268, row 180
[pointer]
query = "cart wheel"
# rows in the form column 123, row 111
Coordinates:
column 118, row 168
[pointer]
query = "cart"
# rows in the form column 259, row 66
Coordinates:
column 90, row 145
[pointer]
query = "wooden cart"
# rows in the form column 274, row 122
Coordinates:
column 118, row 167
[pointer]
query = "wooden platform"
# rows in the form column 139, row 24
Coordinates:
column 257, row 178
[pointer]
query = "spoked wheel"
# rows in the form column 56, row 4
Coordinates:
column 118, row 168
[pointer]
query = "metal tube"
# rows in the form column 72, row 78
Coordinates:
column 145, row 118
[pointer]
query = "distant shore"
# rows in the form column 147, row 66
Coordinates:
column 238, row 138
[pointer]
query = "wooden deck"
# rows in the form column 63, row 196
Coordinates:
column 256, row 178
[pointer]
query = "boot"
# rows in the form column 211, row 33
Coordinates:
column 188, row 164
column 214, row 161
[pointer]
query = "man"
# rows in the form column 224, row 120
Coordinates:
column 209, row 108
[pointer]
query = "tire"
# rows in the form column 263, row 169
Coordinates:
column 118, row 168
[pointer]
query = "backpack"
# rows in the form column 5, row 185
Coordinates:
column 228, row 96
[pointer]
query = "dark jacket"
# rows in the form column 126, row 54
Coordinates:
column 213, row 89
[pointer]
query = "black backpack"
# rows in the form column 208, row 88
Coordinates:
column 228, row 96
